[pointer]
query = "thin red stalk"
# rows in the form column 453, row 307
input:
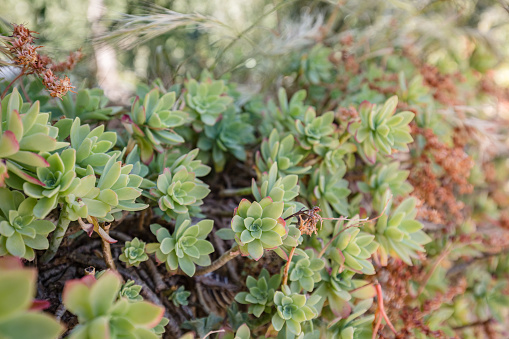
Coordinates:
column 287, row 267
column 381, row 309
column 378, row 322
column 10, row 84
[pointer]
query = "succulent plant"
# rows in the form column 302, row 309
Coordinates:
column 305, row 272
column 353, row 248
column 87, row 104
column 103, row 314
column 59, row 180
column 338, row 287
column 20, row 231
column 133, row 253
column 292, row 310
column 130, row 291
column 258, row 226
column 159, row 328
column 176, row 161
column 260, row 297
column 288, row 110
column 400, row 235
column 179, row 192
column 92, row 147
column 330, row 190
column 380, row 130
column 384, row 178
column 242, row 332
column 17, row 290
column 185, row 248
column 333, row 290
column 281, row 151
column 179, row 297
column 315, row 65
column 116, row 191
column 488, row 294
column 152, row 123
column 283, row 189
column 229, row 135
column 207, row 99
column 354, row 325
column 336, row 159
column 315, row 132
column 25, row 132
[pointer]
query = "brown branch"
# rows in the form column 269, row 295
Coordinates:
column 108, row 258
column 218, row 263
column 287, row 267
column 156, row 276
column 461, row 266
column 474, row 324
column 433, row 269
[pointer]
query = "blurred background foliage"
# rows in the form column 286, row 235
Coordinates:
column 251, row 40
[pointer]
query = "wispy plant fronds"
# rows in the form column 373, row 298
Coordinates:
column 297, row 34
column 133, row 30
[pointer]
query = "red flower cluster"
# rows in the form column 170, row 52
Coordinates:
column 23, row 53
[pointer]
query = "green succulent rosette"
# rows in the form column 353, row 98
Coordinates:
column 281, row 151
column 386, row 178
column 292, row 309
column 59, row 180
column 24, row 133
column 20, row 232
column 185, row 248
column 260, row 297
column 179, row 192
column 103, row 314
column 18, row 320
column 133, row 253
column 179, row 297
column 380, row 130
column 305, row 272
column 87, row 104
column 206, row 100
column 92, row 147
column 258, row 226
column 315, row 133
column 151, row 124
column 130, row 291
column 400, row 235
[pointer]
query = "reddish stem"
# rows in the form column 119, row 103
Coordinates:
column 381, row 311
column 10, row 84
column 287, row 267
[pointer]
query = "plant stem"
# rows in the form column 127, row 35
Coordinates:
column 108, row 258
column 381, row 311
column 220, row 262
column 10, row 84
column 287, row 267
column 433, row 269
column 56, row 238
column 156, row 277
column 232, row 192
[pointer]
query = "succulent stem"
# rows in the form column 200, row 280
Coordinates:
column 56, row 238
column 108, row 258
column 287, row 267
column 220, row 262
column 232, row 192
